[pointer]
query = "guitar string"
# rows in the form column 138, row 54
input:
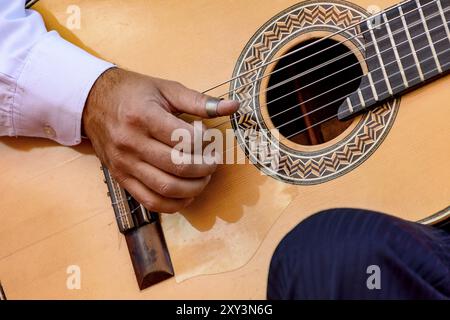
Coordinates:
column 290, row 136
column 343, row 96
column 231, row 118
column 321, row 79
column 303, row 48
column 337, row 114
column 368, row 86
column 126, row 215
column 327, row 63
column 381, row 80
column 337, row 100
column 320, row 40
column 314, row 54
column 281, row 58
column 121, row 216
column 28, row 5
column 327, row 119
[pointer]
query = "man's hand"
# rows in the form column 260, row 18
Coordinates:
column 129, row 119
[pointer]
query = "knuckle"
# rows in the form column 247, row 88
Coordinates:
column 166, row 189
column 131, row 117
column 120, row 139
column 198, row 99
column 147, row 151
column 154, row 102
column 116, row 162
column 159, row 122
column 166, row 119
column 176, row 84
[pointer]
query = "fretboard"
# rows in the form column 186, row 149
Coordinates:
column 406, row 46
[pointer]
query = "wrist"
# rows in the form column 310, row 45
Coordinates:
column 99, row 97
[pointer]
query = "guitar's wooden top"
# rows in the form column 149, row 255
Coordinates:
column 54, row 211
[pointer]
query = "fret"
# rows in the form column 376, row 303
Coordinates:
column 352, row 103
column 428, row 35
column 119, row 202
column 375, row 90
column 361, row 99
column 404, row 47
column 411, row 46
column 438, row 31
column 389, row 61
column 444, row 20
column 365, row 95
column 394, row 46
column 349, row 104
column 445, row 5
column 378, row 55
column 368, row 93
column 372, row 86
column 416, row 27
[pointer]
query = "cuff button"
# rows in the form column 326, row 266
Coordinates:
column 49, row 132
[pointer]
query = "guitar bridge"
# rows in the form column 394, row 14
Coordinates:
column 143, row 234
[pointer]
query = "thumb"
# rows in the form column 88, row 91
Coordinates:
column 193, row 102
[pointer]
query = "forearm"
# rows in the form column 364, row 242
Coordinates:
column 44, row 80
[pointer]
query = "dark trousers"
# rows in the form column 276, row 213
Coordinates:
column 357, row 254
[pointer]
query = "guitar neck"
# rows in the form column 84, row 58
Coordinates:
column 406, row 46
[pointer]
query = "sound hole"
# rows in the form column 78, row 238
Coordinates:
column 304, row 109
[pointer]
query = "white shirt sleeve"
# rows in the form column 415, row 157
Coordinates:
column 44, row 80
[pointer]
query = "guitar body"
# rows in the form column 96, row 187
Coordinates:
column 54, row 210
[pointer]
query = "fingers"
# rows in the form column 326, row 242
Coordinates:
column 132, row 128
column 172, row 131
column 156, row 189
column 166, row 184
column 163, row 125
column 152, row 200
column 159, row 155
column 193, row 102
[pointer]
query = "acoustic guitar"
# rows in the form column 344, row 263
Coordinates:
column 338, row 87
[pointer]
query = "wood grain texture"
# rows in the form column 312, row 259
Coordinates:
column 149, row 254
column 54, row 211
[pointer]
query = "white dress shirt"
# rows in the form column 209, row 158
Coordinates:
column 44, row 80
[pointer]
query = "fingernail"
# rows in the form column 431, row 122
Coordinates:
column 228, row 106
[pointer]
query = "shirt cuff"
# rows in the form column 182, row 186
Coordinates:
column 52, row 89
